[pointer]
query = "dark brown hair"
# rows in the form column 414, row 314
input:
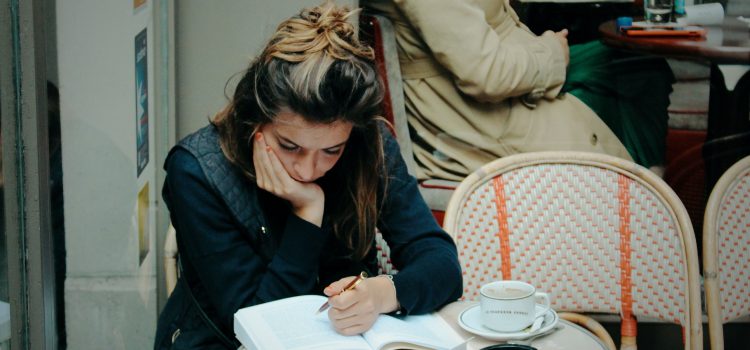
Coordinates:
column 315, row 66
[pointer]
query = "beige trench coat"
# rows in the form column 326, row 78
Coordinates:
column 480, row 85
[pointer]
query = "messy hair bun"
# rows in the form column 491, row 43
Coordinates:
column 325, row 28
column 316, row 66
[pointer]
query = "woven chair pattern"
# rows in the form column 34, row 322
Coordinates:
column 659, row 269
column 734, row 249
column 561, row 227
column 383, row 253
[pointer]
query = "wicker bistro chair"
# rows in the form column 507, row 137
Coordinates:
column 726, row 259
column 599, row 234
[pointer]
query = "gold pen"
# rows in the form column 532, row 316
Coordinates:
column 362, row 275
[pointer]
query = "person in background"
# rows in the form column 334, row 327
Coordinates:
column 281, row 194
column 479, row 85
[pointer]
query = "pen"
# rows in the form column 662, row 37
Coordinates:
column 362, row 275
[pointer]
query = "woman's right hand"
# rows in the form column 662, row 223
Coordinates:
column 307, row 199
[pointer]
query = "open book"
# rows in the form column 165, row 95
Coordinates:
column 292, row 324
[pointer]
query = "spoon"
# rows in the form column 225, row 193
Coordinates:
column 527, row 341
column 537, row 324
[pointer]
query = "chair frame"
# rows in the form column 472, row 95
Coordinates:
column 383, row 42
column 711, row 251
column 378, row 31
column 693, row 331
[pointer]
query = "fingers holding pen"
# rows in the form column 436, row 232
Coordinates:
column 352, row 311
column 342, row 285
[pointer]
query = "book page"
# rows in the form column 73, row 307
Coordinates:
column 421, row 332
column 291, row 324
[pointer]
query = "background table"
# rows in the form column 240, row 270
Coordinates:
column 726, row 47
column 569, row 336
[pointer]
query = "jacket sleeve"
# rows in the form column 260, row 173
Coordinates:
column 221, row 266
column 429, row 272
column 484, row 64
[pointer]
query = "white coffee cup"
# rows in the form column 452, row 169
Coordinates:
column 510, row 306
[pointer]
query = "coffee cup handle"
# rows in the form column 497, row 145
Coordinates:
column 546, row 304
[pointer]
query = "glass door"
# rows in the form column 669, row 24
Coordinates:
column 31, row 220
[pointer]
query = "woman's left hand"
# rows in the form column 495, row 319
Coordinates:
column 355, row 311
column 307, row 199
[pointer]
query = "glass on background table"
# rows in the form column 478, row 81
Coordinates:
column 658, row 11
column 565, row 336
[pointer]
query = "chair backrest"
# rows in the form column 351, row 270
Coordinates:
column 726, row 259
column 378, row 31
column 599, row 234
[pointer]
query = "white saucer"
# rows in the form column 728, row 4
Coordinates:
column 471, row 321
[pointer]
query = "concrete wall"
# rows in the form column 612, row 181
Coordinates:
column 215, row 41
column 110, row 293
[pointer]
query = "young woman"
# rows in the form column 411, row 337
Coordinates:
column 280, row 196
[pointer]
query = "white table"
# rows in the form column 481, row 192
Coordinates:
column 569, row 336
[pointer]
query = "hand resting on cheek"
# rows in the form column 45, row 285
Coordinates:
column 307, row 199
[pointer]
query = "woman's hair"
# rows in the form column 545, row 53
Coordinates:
column 315, row 66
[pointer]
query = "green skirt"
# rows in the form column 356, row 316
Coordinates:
column 629, row 92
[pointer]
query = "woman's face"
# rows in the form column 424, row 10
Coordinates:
column 306, row 150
